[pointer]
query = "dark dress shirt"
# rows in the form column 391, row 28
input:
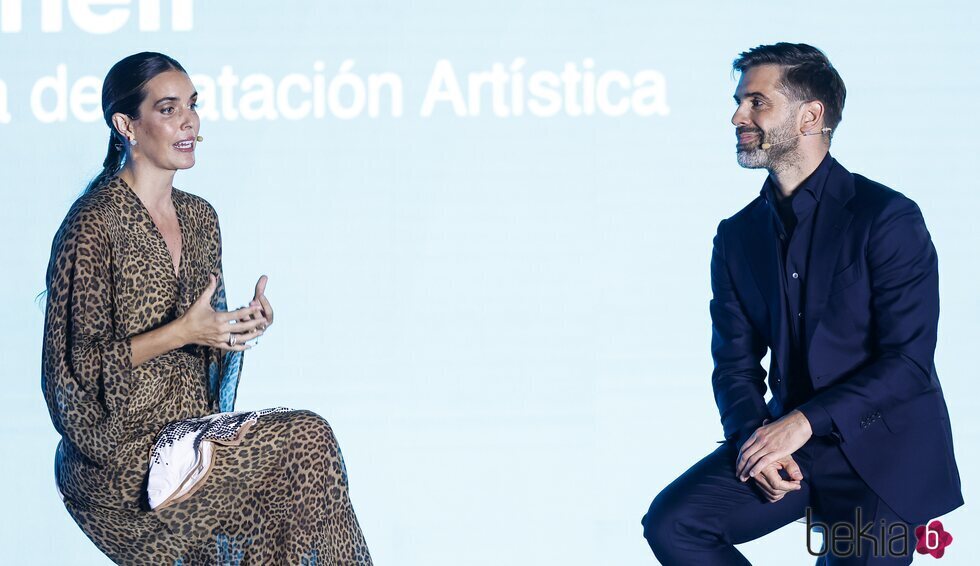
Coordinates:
column 793, row 218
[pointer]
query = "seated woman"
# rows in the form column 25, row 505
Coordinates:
column 141, row 364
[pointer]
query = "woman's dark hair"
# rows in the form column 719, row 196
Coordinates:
column 807, row 75
column 123, row 91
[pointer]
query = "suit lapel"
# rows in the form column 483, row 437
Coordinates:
column 831, row 223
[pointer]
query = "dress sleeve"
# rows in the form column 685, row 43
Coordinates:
column 224, row 367
column 86, row 367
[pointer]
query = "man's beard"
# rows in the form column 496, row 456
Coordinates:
column 752, row 156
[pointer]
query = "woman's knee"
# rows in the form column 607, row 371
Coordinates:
column 312, row 440
column 307, row 426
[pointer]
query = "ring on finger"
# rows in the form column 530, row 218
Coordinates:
column 231, row 339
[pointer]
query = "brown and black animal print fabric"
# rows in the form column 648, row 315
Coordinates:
column 278, row 497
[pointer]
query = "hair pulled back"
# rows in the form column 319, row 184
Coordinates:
column 124, row 90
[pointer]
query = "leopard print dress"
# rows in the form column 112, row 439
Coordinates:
column 279, row 496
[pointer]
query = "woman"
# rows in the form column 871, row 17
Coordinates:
column 139, row 351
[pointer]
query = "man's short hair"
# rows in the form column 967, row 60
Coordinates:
column 807, row 75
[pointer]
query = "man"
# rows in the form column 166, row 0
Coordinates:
column 837, row 276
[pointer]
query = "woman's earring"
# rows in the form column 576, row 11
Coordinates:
column 132, row 141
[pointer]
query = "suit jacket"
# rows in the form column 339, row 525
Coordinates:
column 871, row 312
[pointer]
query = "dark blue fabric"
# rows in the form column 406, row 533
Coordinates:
column 870, row 310
column 793, row 218
column 701, row 515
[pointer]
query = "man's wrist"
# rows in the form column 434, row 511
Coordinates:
column 804, row 422
column 817, row 418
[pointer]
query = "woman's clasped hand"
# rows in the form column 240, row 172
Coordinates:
column 231, row 330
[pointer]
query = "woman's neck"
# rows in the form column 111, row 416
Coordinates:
column 152, row 185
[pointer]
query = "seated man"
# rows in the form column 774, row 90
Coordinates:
column 837, row 276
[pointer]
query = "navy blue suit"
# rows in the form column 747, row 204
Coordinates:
column 869, row 320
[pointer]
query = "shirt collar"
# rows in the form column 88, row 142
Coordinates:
column 813, row 184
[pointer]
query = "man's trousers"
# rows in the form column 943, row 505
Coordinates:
column 701, row 515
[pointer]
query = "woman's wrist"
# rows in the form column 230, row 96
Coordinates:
column 161, row 340
column 179, row 335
